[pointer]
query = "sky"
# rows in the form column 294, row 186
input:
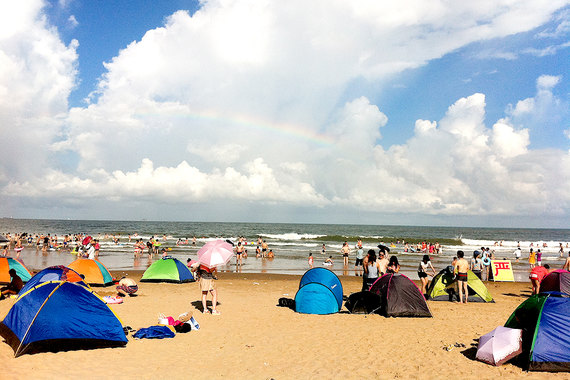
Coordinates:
column 405, row 112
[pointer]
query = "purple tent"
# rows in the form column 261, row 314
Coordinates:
column 500, row 345
column 557, row 281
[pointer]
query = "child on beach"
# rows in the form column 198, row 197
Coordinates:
column 310, row 260
column 538, row 257
column 329, row 261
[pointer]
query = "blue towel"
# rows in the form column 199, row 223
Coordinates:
column 154, row 332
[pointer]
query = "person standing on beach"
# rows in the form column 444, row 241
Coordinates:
column 538, row 257
column 324, row 249
column 207, row 277
column 383, row 262
column 239, row 253
column 461, row 268
column 345, row 250
column 425, row 264
column 264, row 249
column 311, row 260
column 476, row 264
column 532, row 259
column 359, row 260
column 372, row 269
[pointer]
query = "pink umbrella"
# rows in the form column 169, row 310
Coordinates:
column 214, row 253
column 499, row 346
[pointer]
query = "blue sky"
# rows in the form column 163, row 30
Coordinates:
column 419, row 113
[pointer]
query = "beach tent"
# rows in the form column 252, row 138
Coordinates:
column 60, row 315
column 557, row 281
column 167, row 269
column 544, row 319
column 364, row 302
column 400, row 297
column 94, row 271
column 443, row 287
column 320, row 292
column 55, row 273
column 7, row 263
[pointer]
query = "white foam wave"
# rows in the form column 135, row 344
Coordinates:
column 292, row 236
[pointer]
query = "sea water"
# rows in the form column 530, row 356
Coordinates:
column 291, row 243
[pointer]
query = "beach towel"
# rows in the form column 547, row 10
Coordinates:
column 154, row 332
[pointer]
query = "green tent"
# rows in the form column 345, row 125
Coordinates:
column 443, row 287
column 167, row 269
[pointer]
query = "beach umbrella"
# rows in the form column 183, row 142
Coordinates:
column 499, row 346
column 214, row 253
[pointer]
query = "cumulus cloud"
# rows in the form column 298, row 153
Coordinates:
column 543, row 113
column 246, row 102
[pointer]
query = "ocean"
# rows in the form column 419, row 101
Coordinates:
column 291, row 243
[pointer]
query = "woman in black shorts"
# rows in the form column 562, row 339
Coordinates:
column 425, row 264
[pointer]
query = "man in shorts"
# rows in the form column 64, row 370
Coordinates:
column 461, row 268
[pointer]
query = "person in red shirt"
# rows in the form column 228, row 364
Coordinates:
column 536, row 276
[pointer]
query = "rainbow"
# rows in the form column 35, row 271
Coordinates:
column 250, row 121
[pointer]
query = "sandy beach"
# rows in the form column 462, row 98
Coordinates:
column 253, row 338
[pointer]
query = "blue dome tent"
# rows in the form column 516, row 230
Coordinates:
column 54, row 273
column 320, row 292
column 544, row 319
column 60, row 315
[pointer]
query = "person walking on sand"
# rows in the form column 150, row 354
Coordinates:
column 207, row 277
column 425, row 264
column 461, row 268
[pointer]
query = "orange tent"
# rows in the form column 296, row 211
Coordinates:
column 94, row 271
column 7, row 263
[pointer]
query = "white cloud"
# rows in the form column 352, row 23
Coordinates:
column 544, row 111
column 245, row 102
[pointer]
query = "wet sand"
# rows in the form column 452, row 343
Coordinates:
column 253, row 338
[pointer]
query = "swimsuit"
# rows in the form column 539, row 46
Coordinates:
column 461, row 276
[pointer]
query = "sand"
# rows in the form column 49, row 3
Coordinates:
column 253, row 338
